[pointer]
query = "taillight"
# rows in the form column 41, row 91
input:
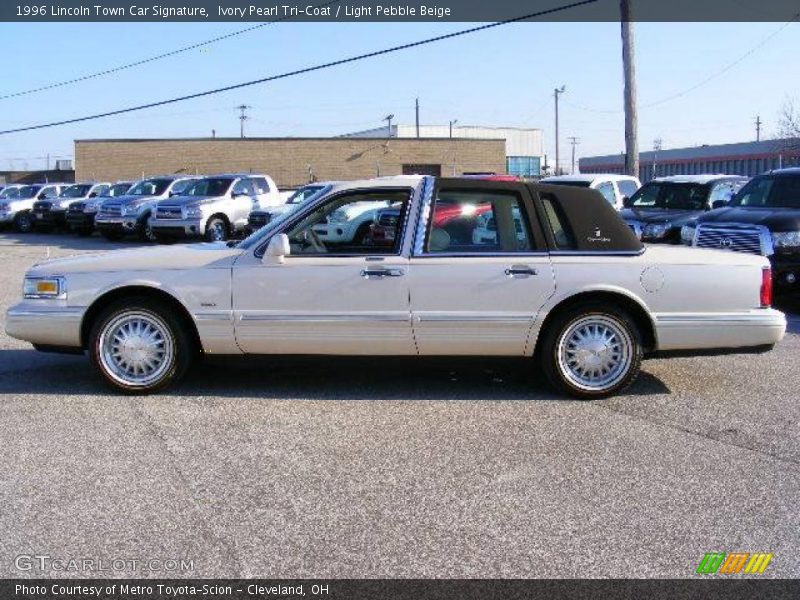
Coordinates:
column 766, row 287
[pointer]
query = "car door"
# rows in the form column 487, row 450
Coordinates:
column 478, row 276
column 327, row 297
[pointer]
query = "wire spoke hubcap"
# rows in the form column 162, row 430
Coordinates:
column 136, row 348
column 595, row 352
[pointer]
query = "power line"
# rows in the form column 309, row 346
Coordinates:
column 702, row 82
column 152, row 58
column 319, row 67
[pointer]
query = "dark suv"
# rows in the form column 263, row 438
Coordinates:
column 763, row 218
column 658, row 209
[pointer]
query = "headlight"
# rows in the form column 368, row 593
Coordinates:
column 655, row 230
column 338, row 216
column 128, row 210
column 687, row 234
column 44, row 287
column 91, row 207
column 193, row 212
column 786, row 239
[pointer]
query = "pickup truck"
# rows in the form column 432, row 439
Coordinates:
column 16, row 203
column 81, row 215
column 214, row 207
column 577, row 294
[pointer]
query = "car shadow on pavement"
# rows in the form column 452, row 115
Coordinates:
column 64, row 240
column 308, row 378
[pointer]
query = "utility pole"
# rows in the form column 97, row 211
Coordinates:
column 556, row 93
column 242, row 118
column 453, row 122
column 758, row 128
column 629, row 70
column 574, row 141
column 417, row 112
column 388, row 119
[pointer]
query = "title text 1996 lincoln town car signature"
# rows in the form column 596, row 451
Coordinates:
column 574, row 290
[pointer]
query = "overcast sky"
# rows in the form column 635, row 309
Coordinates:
column 503, row 76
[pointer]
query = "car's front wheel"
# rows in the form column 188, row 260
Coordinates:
column 23, row 222
column 591, row 351
column 216, row 230
column 140, row 346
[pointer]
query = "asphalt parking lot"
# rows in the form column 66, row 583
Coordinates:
column 363, row 468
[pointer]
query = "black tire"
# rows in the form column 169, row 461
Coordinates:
column 113, row 236
column 217, row 230
column 23, row 222
column 173, row 328
column 554, row 350
column 143, row 230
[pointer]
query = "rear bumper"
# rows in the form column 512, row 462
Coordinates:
column 33, row 322
column 707, row 331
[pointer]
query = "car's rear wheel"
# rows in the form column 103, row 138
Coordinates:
column 140, row 346
column 591, row 351
column 216, row 230
column 23, row 222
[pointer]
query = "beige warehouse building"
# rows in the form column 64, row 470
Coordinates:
column 290, row 161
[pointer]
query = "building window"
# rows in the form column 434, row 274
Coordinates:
column 435, row 170
column 523, row 166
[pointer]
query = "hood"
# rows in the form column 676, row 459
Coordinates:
column 186, row 200
column 775, row 219
column 660, row 215
column 125, row 199
column 182, row 256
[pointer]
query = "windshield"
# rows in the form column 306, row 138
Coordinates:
column 770, row 192
column 671, row 195
column 149, row 187
column 213, row 186
column 303, row 194
column 179, row 187
column 29, row 191
column 9, row 193
column 118, row 189
column 76, row 191
column 582, row 184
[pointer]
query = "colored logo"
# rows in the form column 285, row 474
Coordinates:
column 734, row 562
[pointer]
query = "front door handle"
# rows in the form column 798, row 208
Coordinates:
column 520, row 271
column 380, row 273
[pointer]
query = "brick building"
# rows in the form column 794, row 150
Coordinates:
column 290, row 161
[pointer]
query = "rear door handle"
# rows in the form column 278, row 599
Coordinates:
column 380, row 273
column 520, row 271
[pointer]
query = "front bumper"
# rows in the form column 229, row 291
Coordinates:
column 7, row 217
column 38, row 323
column 80, row 220
column 785, row 273
column 49, row 217
column 178, row 228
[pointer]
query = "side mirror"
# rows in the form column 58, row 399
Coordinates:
column 93, row 195
column 718, row 204
column 626, row 201
column 41, row 196
column 277, row 249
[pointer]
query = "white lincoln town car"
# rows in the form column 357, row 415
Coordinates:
column 574, row 290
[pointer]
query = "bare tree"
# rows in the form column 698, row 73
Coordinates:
column 789, row 126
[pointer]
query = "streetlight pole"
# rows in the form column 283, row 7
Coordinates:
column 388, row 119
column 556, row 93
column 453, row 122
column 656, row 148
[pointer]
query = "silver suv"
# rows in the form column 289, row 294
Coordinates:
column 214, row 207
column 130, row 213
